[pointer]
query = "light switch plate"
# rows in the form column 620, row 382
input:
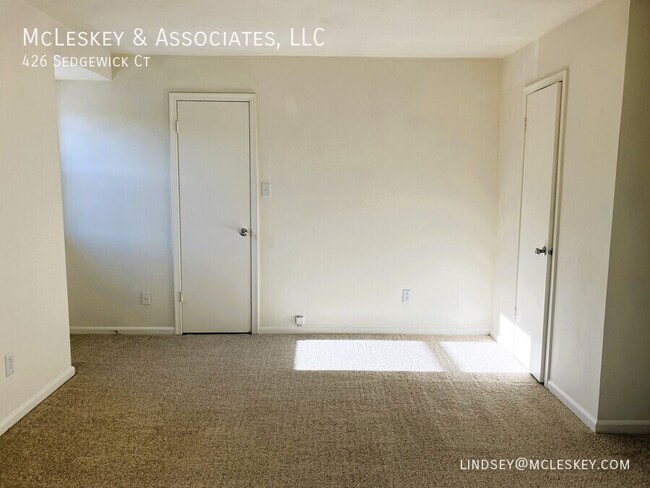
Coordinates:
column 266, row 189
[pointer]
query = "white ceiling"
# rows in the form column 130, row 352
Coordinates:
column 385, row 28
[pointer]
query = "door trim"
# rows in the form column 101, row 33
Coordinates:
column 251, row 99
column 563, row 77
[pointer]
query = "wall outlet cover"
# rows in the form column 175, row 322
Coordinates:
column 9, row 364
column 406, row 295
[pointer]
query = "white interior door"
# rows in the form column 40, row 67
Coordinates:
column 536, row 226
column 214, row 172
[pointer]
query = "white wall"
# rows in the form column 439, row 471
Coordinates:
column 33, row 297
column 592, row 46
column 625, row 386
column 384, row 177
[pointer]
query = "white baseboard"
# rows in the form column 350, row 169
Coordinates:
column 588, row 419
column 600, row 426
column 494, row 335
column 372, row 330
column 123, row 330
column 623, row 426
column 38, row 397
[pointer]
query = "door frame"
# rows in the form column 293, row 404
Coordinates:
column 251, row 99
column 554, row 224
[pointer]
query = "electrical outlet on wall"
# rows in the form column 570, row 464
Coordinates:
column 406, row 295
column 9, row 364
column 300, row 320
column 145, row 298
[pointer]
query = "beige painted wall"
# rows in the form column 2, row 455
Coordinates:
column 384, row 177
column 33, row 297
column 592, row 46
column 625, row 387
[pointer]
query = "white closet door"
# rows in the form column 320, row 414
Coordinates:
column 215, row 215
column 536, row 227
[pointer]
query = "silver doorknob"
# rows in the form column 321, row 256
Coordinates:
column 540, row 251
column 243, row 232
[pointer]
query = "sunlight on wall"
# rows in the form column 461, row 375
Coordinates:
column 515, row 340
column 365, row 355
column 506, row 333
column 522, row 345
column 481, row 357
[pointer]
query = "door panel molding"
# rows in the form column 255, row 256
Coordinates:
column 251, row 99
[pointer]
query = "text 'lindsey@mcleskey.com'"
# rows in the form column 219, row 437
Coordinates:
column 529, row 464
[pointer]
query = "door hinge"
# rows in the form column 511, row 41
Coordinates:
column 525, row 124
column 177, row 128
column 181, row 296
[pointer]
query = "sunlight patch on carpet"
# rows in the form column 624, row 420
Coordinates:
column 481, row 357
column 365, row 355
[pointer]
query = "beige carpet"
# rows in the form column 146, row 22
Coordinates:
column 229, row 410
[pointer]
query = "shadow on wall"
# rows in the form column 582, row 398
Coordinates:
column 465, row 356
column 115, row 209
column 97, row 283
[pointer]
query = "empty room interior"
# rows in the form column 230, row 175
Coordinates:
column 282, row 243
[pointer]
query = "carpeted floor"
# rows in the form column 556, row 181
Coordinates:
column 244, row 411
